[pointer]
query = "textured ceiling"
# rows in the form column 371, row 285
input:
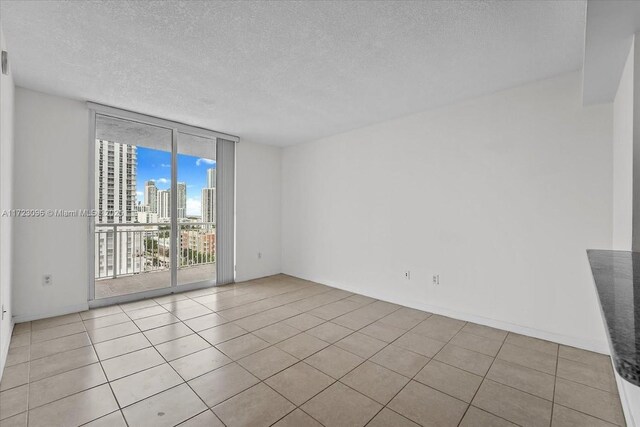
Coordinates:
column 287, row 72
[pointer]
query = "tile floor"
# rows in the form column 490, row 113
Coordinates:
column 288, row 352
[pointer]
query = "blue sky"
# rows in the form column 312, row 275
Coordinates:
column 156, row 165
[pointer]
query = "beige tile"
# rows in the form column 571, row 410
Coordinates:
column 591, row 401
column 438, row 327
column 62, row 385
column 242, row 346
column 339, row 405
column 103, row 322
column 205, row 322
column 427, row 406
column 114, row 419
column 476, row 343
column 302, row 345
column 120, row 346
column 591, row 375
column 165, row 409
column 297, row 418
column 180, row 305
column 523, row 378
column 425, row 346
column 143, row 384
column 222, row 333
column 387, row 418
column 170, row 298
column 304, row 321
column 565, row 417
column 355, row 320
column 513, row 405
column 334, row 309
column 400, row 360
column 267, row 362
column 61, row 362
column 99, row 312
column 76, row 409
column 362, row 345
column 19, row 420
column 376, row 382
column 257, row 406
column 277, row 332
column 450, row 380
column 131, row 363
column 462, row 358
column 191, row 312
column 112, row 332
column 329, row 332
column 256, row 321
column 14, row 376
column 204, row 419
column 59, row 345
column 219, row 385
column 51, row 322
column 532, row 343
column 485, row 331
column 200, row 363
column 156, row 321
column 167, row 333
column 13, row 401
column 18, row 355
column 299, row 383
column 137, row 305
column 530, row 358
column 405, row 318
column 20, row 340
column 21, row 328
column 334, row 361
column 146, row 312
column 382, row 331
column 478, row 418
column 590, row 358
column 180, row 347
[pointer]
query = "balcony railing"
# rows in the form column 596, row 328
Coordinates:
column 134, row 248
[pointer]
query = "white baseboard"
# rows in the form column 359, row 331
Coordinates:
column 595, row 345
column 630, row 400
column 51, row 313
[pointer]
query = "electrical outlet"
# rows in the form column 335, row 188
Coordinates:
column 47, row 280
column 407, row 275
column 436, row 279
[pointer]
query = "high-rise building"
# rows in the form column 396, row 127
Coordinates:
column 211, row 178
column 115, row 193
column 182, row 200
column 151, row 196
column 164, row 205
column 208, row 206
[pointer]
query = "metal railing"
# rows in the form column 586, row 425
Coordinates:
column 124, row 249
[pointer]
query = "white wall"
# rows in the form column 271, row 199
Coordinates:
column 52, row 172
column 258, row 208
column 6, row 202
column 623, row 158
column 51, row 167
column 499, row 195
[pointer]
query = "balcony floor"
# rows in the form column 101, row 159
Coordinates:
column 134, row 283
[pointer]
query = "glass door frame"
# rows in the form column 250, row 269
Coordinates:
column 176, row 128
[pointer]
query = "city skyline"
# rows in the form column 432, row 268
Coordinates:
column 155, row 165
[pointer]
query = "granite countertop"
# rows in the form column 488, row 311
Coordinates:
column 617, row 279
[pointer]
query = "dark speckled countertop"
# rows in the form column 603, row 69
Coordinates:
column 617, row 278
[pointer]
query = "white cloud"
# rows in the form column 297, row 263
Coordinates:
column 193, row 207
column 202, row 160
column 139, row 194
column 162, row 181
column 164, row 165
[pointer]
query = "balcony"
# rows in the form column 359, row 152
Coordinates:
column 133, row 257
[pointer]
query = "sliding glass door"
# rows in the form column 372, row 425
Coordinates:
column 155, row 204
